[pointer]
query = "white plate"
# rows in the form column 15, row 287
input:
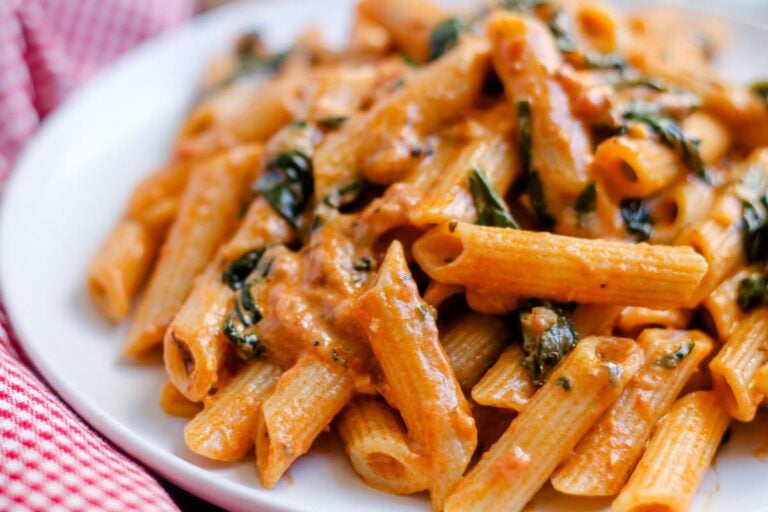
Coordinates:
column 69, row 188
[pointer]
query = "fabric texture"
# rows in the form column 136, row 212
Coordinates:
column 49, row 459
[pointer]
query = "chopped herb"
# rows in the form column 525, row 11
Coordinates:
column 605, row 61
column 670, row 134
column 586, row 201
column 524, row 135
column 637, row 219
column 247, row 344
column 332, row 122
column 247, row 303
column 753, row 292
column 538, row 201
column 564, row 382
column 452, row 226
column 445, row 36
column 287, row 185
column 641, row 81
column 491, row 209
column 364, row 264
column 346, row 194
column 615, row 372
column 300, row 123
column 561, row 27
column 235, row 274
column 548, row 336
column 522, row 5
column 423, row 310
column 754, row 223
column 761, row 89
column 672, row 360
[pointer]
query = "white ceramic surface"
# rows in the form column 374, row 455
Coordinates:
column 69, row 188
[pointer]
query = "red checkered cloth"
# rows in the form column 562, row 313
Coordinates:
column 49, row 459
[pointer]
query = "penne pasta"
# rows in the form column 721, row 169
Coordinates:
column 472, row 342
column 688, row 435
column 405, row 343
column 534, row 264
column 733, row 368
column 508, row 475
column 377, row 445
column 223, row 430
column 605, row 457
column 207, row 215
column 286, row 426
column 507, row 384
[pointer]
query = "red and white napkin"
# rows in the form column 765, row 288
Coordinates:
column 49, row 459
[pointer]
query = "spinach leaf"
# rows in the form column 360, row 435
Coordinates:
column 753, row 191
column 752, row 292
column 248, row 345
column 586, row 201
column 640, row 81
column 672, row 360
column 545, row 347
column 761, row 89
column 604, row 61
column 637, row 219
column 538, row 201
column 562, row 29
column 670, row 134
column 332, row 122
column 235, row 274
column 287, row 185
column 445, row 36
column 522, row 5
column 346, row 194
column 525, row 135
column 491, row 209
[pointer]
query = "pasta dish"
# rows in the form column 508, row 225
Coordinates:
column 520, row 244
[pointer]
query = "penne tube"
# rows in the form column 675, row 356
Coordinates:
column 123, row 262
column 489, row 303
column 405, row 343
column 368, row 38
column 377, row 445
column 689, row 436
column 305, row 400
column 207, row 215
column 409, row 23
column 381, row 143
column 519, row 463
column 679, row 207
column 595, row 319
column 719, row 239
column 722, row 305
column 734, row 367
column 761, row 380
column 223, row 430
column 472, row 343
column 194, row 347
column 119, row 268
column 506, row 385
column 526, row 60
column 247, row 111
column 605, row 457
column 634, row 319
column 539, row 264
column 713, row 136
column 173, row 403
column 450, row 198
column 634, row 167
column 437, row 293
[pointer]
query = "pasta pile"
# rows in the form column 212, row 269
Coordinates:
column 491, row 249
